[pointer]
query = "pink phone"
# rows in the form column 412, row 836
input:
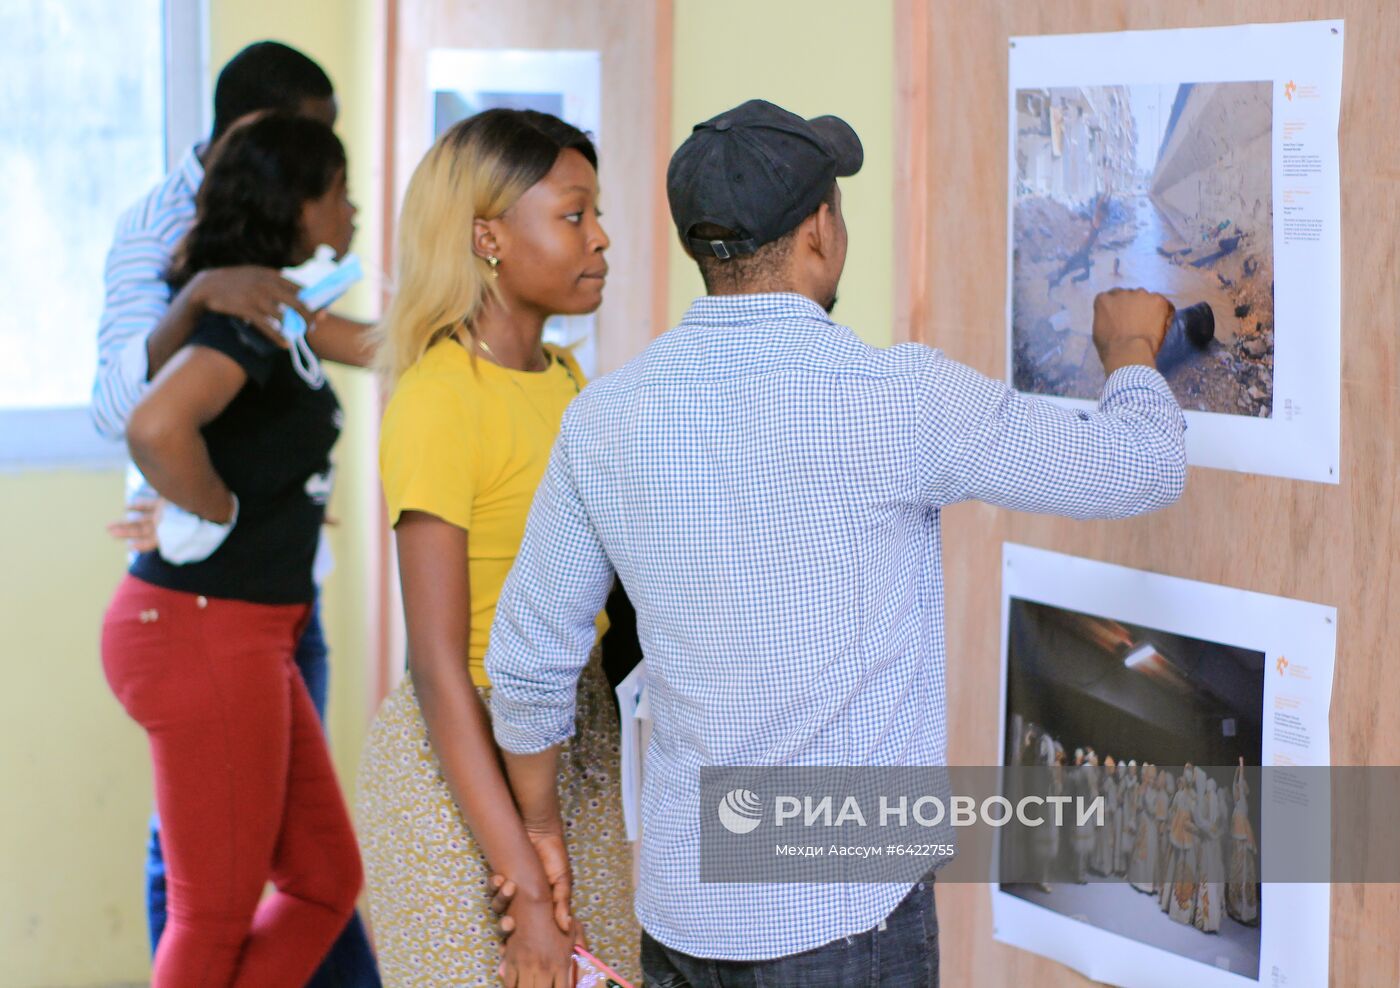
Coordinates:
column 593, row 973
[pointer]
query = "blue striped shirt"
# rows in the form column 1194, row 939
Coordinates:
column 136, row 293
column 768, row 487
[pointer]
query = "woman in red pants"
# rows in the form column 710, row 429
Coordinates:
column 198, row 642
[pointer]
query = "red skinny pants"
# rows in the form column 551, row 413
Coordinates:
column 244, row 786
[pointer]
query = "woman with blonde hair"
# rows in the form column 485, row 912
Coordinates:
column 499, row 231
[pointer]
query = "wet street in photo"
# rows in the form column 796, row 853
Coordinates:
column 1053, row 305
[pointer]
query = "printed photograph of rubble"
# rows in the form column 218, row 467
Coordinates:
column 1165, row 187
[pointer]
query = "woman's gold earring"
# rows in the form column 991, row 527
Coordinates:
column 494, row 261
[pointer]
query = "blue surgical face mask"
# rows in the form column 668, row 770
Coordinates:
column 323, row 280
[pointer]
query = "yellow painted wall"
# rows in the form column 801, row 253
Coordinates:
column 74, row 770
column 811, row 57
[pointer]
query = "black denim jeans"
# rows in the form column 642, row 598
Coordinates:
column 904, row 954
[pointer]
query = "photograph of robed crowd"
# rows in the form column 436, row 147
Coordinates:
column 1161, row 726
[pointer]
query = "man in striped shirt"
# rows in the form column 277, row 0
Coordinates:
column 142, row 327
column 768, row 489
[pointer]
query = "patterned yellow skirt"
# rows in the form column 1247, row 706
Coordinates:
column 426, row 877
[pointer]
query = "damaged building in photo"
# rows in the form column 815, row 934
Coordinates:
column 1166, row 187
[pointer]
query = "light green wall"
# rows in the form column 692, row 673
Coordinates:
column 74, row 769
column 811, row 57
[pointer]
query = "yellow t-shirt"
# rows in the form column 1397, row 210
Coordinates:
column 468, row 441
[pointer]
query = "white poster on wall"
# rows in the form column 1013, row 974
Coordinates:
column 463, row 82
column 1101, row 661
column 1202, row 164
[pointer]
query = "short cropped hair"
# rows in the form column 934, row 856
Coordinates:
column 748, row 272
column 267, row 75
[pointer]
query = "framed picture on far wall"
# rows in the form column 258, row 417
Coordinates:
column 1162, row 696
column 465, row 81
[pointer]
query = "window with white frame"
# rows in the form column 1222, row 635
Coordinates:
column 97, row 99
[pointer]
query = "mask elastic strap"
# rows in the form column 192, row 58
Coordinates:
column 304, row 361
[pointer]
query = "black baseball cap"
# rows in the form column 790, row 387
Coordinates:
column 758, row 170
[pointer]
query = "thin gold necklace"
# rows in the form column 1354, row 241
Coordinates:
column 529, row 400
column 544, row 356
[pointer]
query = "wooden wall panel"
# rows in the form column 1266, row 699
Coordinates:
column 1337, row 545
column 914, row 167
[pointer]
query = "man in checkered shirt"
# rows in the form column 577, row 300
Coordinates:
column 767, row 487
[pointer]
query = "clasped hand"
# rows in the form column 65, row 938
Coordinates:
column 540, row 929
